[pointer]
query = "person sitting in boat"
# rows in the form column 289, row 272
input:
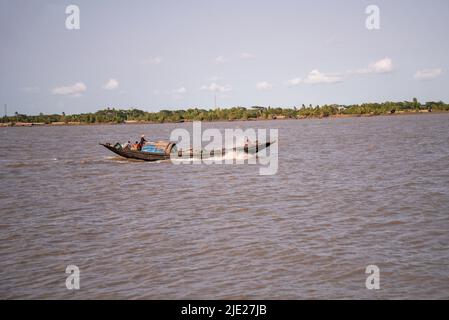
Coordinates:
column 127, row 145
column 135, row 146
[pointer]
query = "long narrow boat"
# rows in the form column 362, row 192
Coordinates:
column 163, row 150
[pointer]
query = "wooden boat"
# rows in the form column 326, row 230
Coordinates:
column 163, row 150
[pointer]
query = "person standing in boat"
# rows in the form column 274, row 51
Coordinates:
column 142, row 142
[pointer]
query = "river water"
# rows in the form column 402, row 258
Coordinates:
column 348, row 193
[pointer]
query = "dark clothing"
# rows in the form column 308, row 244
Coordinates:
column 141, row 143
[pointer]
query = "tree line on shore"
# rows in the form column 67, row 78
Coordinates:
column 113, row 115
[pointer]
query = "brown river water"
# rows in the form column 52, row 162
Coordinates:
column 348, row 193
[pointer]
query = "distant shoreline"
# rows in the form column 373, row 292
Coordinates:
column 280, row 118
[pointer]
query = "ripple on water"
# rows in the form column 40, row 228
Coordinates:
column 348, row 193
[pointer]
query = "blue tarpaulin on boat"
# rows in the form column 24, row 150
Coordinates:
column 151, row 148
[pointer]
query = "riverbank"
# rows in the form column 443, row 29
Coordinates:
column 279, row 118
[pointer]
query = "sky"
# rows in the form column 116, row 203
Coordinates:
column 155, row 55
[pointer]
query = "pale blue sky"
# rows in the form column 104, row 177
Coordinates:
column 179, row 54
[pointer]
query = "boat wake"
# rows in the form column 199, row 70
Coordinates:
column 227, row 157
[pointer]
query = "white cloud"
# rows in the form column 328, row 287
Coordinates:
column 152, row 60
column 264, row 86
column 427, row 74
column 246, row 55
column 219, row 59
column 384, row 65
column 112, row 84
column 316, row 77
column 74, row 90
column 181, row 90
column 294, row 81
column 217, row 88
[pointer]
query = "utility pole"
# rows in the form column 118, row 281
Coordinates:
column 6, row 110
column 215, row 100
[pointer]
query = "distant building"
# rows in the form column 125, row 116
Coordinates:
column 339, row 107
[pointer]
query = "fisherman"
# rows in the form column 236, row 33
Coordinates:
column 246, row 145
column 141, row 143
column 135, row 146
column 127, row 145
